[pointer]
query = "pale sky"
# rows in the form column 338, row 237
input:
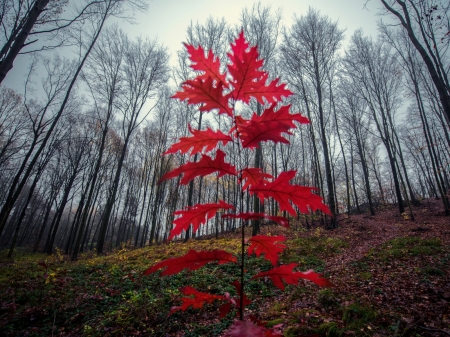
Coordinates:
column 167, row 20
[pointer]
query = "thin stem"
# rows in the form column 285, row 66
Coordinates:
column 241, row 204
column 241, row 304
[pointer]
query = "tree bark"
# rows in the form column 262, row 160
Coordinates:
column 7, row 63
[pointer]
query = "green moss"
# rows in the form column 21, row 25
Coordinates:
column 330, row 329
column 274, row 322
column 432, row 271
column 327, row 299
column 365, row 276
column 407, row 246
column 357, row 316
column 292, row 331
column 317, row 245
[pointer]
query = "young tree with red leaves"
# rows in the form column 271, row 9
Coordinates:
column 216, row 91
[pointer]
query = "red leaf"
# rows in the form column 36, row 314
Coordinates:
column 197, row 301
column 245, row 329
column 279, row 219
column 202, row 91
column 285, row 273
column 316, row 278
column 282, row 115
column 284, row 193
column 267, row 245
column 199, row 140
column 252, row 176
column 272, row 93
column 246, row 300
column 249, row 80
column 254, row 133
column 253, row 216
column 224, row 309
column 193, row 260
column 269, row 126
column 245, row 69
column 209, row 65
column 274, row 331
column 196, row 215
column 203, row 167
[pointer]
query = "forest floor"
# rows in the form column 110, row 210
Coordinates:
column 391, row 278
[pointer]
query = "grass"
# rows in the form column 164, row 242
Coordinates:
column 105, row 296
column 405, row 247
column 310, row 252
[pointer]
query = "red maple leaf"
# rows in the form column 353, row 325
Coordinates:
column 209, row 65
column 269, row 126
column 252, row 176
column 284, row 193
column 281, row 115
column 254, row 216
column 203, row 92
column 249, row 80
column 272, row 93
column 203, row 167
column 279, row 220
column 197, row 301
column 196, row 215
column 201, row 139
column 274, row 332
column 254, row 133
column 245, row 329
column 270, row 246
column 193, row 260
column 285, row 273
column 245, row 68
column 246, row 300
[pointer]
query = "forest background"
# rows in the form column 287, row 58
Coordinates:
column 86, row 115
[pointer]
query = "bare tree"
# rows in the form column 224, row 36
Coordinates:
column 375, row 74
column 312, row 44
column 105, row 9
column 144, row 71
column 423, row 21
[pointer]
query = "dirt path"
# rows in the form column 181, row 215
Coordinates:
column 364, row 232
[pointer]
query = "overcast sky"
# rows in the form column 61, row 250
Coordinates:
column 167, row 20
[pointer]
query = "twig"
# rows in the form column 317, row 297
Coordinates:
column 434, row 330
column 54, row 320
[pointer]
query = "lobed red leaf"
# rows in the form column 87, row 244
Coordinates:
column 270, row 246
column 252, row 176
column 196, row 302
column 209, row 65
column 272, row 93
column 193, row 260
column 269, row 126
column 285, row 273
column 284, row 193
column 254, row 216
column 206, row 165
column 196, row 215
column 201, row 139
column 245, row 69
column 204, row 92
column 249, row 80
column 245, row 329
column 246, row 300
